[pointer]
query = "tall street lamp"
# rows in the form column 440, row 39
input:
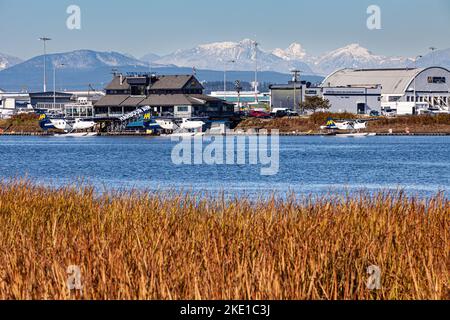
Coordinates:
column 432, row 49
column 225, row 79
column 54, row 82
column 256, row 44
column 44, row 40
column 296, row 74
column 415, row 76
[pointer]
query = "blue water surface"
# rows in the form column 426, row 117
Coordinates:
column 308, row 165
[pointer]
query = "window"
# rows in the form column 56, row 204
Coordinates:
column 394, row 98
column 138, row 90
column 436, row 80
column 183, row 109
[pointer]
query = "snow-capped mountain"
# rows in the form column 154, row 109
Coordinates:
column 81, row 67
column 292, row 53
column 436, row 58
column 150, row 57
column 217, row 56
column 85, row 59
column 7, row 61
column 355, row 56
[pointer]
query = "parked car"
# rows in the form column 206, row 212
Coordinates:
column 374, row 113
column 281, row 113
column 259, row 114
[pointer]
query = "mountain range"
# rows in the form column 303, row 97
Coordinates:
column 7, row 61
column 241, row 56
column 79, row 68
column 76, row 70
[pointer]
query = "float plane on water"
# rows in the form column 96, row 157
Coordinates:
column 353, row 125
column 69, row 127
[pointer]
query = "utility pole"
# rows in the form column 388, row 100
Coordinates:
column 238, row 87
column 256, row 71
column 296, row 74
column 225, row 79
column 54, row 84
column 432, row 55
column 415, row 76
column 44, row 40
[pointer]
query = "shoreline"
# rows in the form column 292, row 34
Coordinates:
column 283, row 134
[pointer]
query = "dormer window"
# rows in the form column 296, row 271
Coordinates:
column 137, row 90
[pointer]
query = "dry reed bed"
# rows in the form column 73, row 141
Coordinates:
column 154, row 246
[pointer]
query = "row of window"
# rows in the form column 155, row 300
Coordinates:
column 436, row 80
column 142, row 91
column 427, row 99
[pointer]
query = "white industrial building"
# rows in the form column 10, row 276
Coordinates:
column 12, row 103
column 354, row 99
column 361, row 99
column 403, row 91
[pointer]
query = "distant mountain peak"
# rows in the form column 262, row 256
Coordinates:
column 218, row 56
column 294, row 52
column 7, row 61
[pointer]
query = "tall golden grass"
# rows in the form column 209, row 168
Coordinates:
column 137, row 245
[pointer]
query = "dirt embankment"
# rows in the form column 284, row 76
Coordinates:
column 28, row 123
column 401, row 124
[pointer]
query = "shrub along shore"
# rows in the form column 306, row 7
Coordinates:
column 26, row 124
column 423, row 124
column 141, row 245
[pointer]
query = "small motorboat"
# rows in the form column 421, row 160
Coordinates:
column 352, row 135
column 77, row 135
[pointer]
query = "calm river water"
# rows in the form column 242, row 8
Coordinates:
column 307, row 165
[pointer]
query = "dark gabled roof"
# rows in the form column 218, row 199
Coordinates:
column 163, row 82
column 172, row 82
column 111, row 100
column 132, row 101
column 115, row 84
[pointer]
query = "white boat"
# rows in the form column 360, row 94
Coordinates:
column 184, row 134
column 77, row 135
column 352, row 135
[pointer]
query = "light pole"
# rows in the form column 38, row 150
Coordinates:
column 256, row 71
column 296, row 74
column 432, row 55
column 225, row 79
column 44, row 40
column 54, row 83
column 238, row 87
column 415, row 76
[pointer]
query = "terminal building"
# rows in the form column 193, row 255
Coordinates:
column 403, row 91
column 360, row 99
column 178, row 96
column 68, row 104
column 364, row 91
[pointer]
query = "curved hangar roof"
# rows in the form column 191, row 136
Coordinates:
column 393, row 81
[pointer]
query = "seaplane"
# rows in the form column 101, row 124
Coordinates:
column 183, row 127
column 146, row 122
column 70, row 128
column 353, row 125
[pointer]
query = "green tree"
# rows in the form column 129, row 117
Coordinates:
column 315, row 103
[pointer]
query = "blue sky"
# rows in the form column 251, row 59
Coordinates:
column 409, row 27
